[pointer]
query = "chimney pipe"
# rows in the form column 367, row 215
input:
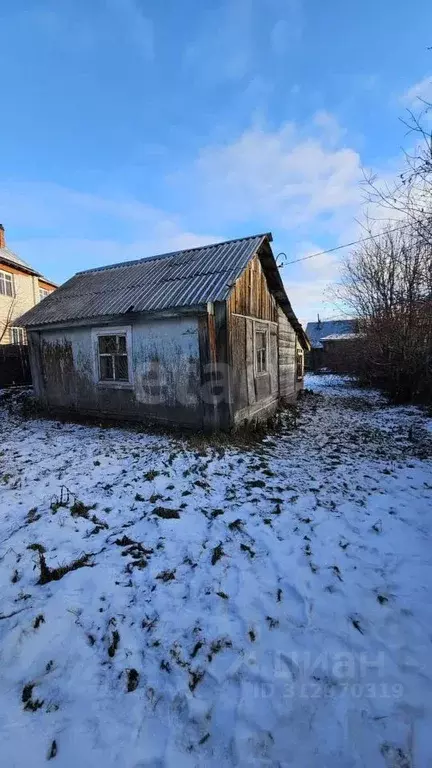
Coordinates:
column 2, row 237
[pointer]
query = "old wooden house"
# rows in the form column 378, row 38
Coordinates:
column 205, row 338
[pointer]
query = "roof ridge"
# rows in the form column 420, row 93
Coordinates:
column 159, row 256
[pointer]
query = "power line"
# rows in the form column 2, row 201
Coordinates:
column 339, row 247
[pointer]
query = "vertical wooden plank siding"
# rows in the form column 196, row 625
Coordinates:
column 251, row 295
column 250, row 305
column 287, row 357
column 224, row 362
column 207, row 354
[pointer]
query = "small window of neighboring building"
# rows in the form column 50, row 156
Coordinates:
column 18, row 336
column 42, row 293
column 113, row 355
column 6, row 284
column 300, row 364
column 261, row 349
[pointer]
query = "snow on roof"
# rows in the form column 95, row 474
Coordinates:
column 339, row 336
column 318, row 331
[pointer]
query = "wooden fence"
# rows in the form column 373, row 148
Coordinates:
column 14, row 365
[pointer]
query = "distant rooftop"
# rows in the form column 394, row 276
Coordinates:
column 10, row 258
column 330, row 330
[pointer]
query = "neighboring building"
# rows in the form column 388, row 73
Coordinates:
column 204, row 337
column 21, row 287
column 331, row 341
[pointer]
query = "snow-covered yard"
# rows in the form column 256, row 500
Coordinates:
column 166, row 603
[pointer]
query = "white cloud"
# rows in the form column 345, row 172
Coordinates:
column 309, row 298
column 419, row 91
column 289, row 177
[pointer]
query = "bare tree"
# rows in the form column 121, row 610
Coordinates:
column 408, row 198
column 387, row 280
column 386, row 283
column 6, row 324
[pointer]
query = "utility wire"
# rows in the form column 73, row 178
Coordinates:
column 345, row 245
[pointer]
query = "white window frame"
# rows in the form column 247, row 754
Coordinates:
column 261, row 328
column 125, row 330
column 21, row 333
column 7, row 278
column 43, row 293
column 299, row 357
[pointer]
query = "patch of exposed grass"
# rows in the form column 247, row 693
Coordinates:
column 356, row 624
column 151, row 474
column 30, row 704
column 40, row 619
column 217, row 646
column 37, row 547
column 196, row 648
column 61, row 500
column 236, row 525
column 52, row 752
column 217, row 554
column 55, row 574
column 382, row 599
column 155, row 497
column 249, row 550
column 273, row 623
column 132, row 680
column 195, row 677
column 166, row 576
column 166, row 514
column 115, row 640
column 79, row 509
column 255, row 484
column 32, row 515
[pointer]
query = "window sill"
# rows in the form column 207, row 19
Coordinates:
column 262, row 373
column 115, row 385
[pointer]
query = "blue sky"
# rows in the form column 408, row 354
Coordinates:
column 132, row 127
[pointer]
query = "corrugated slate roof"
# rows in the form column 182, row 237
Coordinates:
column 318, row 331
column 172, row 280
column 177, row 280
column 9, row 257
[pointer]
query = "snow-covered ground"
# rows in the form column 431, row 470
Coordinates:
column 267, row 605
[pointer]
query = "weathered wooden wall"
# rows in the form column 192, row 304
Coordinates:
column 287, row 357
column 252, row 306
column 251, row 296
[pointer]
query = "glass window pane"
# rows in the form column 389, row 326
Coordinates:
column 6, row 284
column 121, row 344
column 121, row 367
column 261, row 351
column 106, row 368
column 107, row 344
